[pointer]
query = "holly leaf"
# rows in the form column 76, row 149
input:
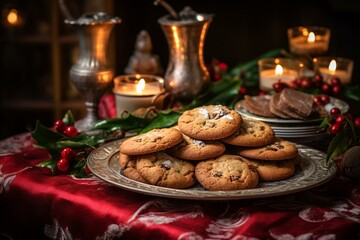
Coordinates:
column 352, row 92
column 44, row 135
column 68, row 119
column 164, row 119
column 51, row 164
column 338, row 145
column 130, row 122
column 78, row 170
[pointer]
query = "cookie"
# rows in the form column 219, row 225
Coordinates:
column 280, row 149
column 209, row 122
column 193, row 149
column 152, row 141
column 252, row 133
column 227, row 172
column 297, row 160
column 161, row 169
column 273, row 170
column 128, row 167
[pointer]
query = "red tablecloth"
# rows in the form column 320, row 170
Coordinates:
column 36, row 205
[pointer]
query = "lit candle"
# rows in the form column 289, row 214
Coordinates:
column 274, row 70
column 334, row 67
column 13, row 18
column 308, row 40
column 136, row 91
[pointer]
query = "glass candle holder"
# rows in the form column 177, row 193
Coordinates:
column 331, row 67
column 272, row 70
column 136, row 91
column 312, row 40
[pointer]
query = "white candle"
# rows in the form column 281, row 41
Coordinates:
column 302, row 45
column 335, row 67
column 136, row 91
column 271, row 76
column 311, row 40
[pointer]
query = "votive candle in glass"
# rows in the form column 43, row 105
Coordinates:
column 334, row 67
column 136, row 91
column 272, row 70
column 311, row 40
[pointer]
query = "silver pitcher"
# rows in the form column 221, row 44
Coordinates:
column 92, row 75
column 186, row 75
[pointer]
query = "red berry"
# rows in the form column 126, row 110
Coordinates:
column 325, row 98
column 279, row 86
column 68, row 153
column 335, row 128
column 348, row 115
column 335, row 81
column 340, row 119
column 60, row 126
column 318, row 100
column 336, row 89
column 357, row 122
column 326, row 88
column 318, row 80
column 262, row 93
column 335, row 111
column 63, row 165
column 222, row 66
column 305, row 83
column 87, row 170
column 217, row 77
column 71, row 131
column 293, row 84
column 242, row 90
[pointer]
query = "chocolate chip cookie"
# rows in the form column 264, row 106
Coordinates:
column 280, row 149
column 252, row 133
column 193, row 149
column 128, row 167
column 161, row 169
column 209, row 122
column 227, row 172
column 273, row 170
column 152, row 141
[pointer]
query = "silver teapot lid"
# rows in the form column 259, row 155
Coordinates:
column 93, row 18
column 186, row 16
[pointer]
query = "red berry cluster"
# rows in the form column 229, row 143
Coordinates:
column 68, row 155
column 217, row 69
column 339, row 121
column 69, row 131
column 311, row 84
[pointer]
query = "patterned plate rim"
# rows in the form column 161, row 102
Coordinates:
column 103, row 163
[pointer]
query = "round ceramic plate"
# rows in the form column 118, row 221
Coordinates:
column 334, row 102
column 103, row 163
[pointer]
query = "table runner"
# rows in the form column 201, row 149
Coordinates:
column 35, row 204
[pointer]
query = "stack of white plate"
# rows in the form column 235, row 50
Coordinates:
column 295, row 130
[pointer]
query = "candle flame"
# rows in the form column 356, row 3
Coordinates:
column 311, row 37
column 332, row 66
column 140, row 86
column 12, row 17
column 278, row 70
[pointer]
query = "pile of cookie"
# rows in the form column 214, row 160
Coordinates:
column 212, row 145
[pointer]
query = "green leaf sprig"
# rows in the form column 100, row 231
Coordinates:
column 347, row 137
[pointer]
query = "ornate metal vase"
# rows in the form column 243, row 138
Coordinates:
column 92, row 75
column 186, row 75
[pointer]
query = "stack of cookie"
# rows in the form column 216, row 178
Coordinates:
column 212, row 145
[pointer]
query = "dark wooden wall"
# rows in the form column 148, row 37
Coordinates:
column 242, row 30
